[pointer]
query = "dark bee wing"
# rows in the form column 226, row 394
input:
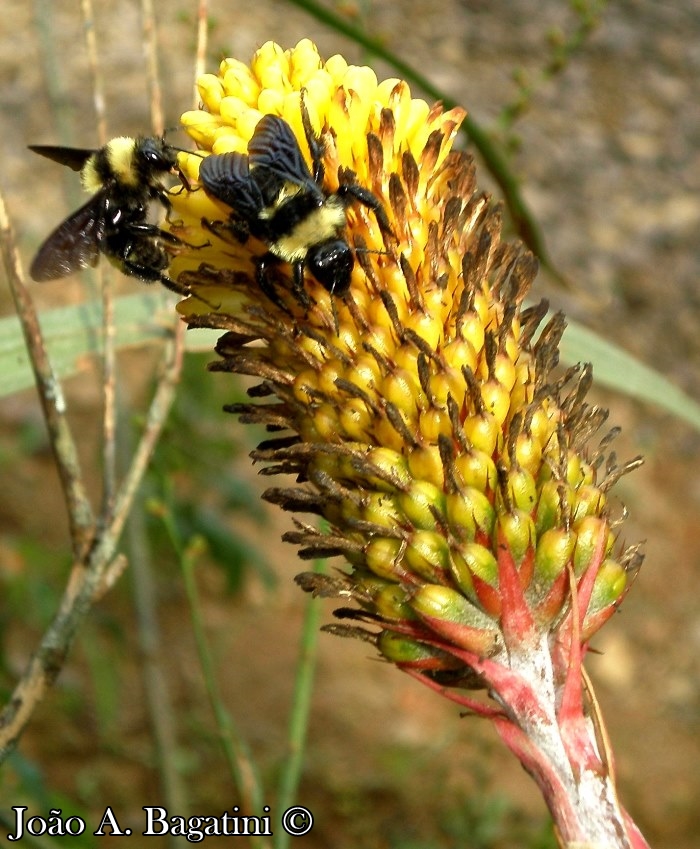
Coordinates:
column 226, row 177
column 74, row 244
column 73, row 157
column 275, row 155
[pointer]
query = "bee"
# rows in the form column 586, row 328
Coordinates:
column 124, row 178
column 276, row 198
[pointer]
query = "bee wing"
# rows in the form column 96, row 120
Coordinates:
column 226, row 176
column 73, row 157
column 73, row 245
column 275, row 155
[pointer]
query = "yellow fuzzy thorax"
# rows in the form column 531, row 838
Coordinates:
column 119, row 155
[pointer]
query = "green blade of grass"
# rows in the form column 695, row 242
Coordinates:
column 618, row 370
column 74, row 332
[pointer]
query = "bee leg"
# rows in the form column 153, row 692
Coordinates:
column 172, row 239
column 145, row 259
column 316, row 147
column 143, row 231
column 267, row 287
column 152, row 275
column 370, row 200
column 298, row 289
column 224, row 229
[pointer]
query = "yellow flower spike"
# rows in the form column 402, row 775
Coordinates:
column 482, row 432
column 365, row 372
column 381, row 510
column 396, row 96
column 504, row 371
column 496, row 400
column 425, row 326
column 589, row 501
column 418, row 405
column 324, row 425
column 453, row 616
column 412, row 654
column 355, row 420
column 189, row 164
column 233, row 70
column 419, row 408
column 392, row 602
column 343, row 140
column 425, row 463
column 609, row 585
column 476, row 469
column 227, row 140
column 528, row 453
column 319, row 88
column 433, row 424
column 481, row 562
column 428, row 556
column 555, row 548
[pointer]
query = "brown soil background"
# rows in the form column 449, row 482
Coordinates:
column 610, row 163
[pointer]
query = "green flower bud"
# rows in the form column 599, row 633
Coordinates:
column 476, row 469
column 428, row 555
column 588, row 532
column 392, row 602
column 452, row 616
column 470, row 513
column 405, row 651
column 555, row 548
column 421, row 504
column 383, row 555
column 475, row 571
column 517, row 530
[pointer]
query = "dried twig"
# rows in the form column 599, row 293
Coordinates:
column 80, row 513
column 108, row 362
column 200, row 58
column 94, row 537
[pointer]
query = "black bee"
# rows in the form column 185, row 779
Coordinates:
column 276, row 199
column 124, row 177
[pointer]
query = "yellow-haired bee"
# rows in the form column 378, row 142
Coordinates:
column 124, row 178
column 276, row 198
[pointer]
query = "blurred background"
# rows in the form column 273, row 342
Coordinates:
column 595, row 106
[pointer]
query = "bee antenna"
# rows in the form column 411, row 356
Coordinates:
column 175, row 147
column 184, row 150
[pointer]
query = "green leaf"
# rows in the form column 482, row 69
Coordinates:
column 74, row 332
column 618, row 370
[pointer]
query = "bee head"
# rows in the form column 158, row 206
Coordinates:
column 331, row 263
column 156, row 154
